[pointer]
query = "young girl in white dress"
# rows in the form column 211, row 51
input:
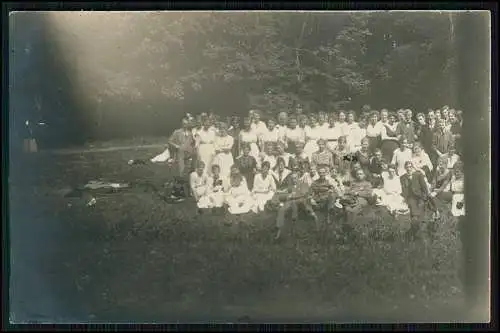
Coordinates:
column 214, row 195
column 401, row 156
column 205, row 139
column 390, row 194
column 238, row 198
column 264, row 188
column 249, row 137
column 223, row 149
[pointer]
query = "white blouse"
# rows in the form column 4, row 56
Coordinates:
column 374, row 130
column 391, row 186
column 271, row 159
column 419, row 161
column 223, row 142
column 295, row 135
column 331, row 133
column 312, row 133
column 206, row 136
column 270, row 135
column 264, row 185
column 343, row 127
column 248, row 137
column 400, row 158
column 259, row 128
column 281, row 132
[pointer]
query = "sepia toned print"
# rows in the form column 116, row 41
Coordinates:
column 238, row 167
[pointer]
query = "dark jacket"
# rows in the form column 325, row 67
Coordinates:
column 414, row 186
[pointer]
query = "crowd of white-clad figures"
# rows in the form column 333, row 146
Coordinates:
column 338, row 163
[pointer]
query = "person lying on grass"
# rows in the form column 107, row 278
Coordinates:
column 264, row 188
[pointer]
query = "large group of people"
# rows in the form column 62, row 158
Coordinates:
column 338, row 162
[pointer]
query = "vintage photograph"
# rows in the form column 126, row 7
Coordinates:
column 241, row 167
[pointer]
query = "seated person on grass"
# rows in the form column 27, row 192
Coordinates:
column 390, row 195
column 324, row 192
column 357, row 196
column 264, row 188
column 238, row 198
column 214, row 194
column 199, row 181
column 296, row 197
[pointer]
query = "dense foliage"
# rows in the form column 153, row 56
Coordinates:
column 151, row 62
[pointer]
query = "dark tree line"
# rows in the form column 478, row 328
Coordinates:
column 152, row 67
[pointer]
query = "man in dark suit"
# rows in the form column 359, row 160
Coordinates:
column 417, row 196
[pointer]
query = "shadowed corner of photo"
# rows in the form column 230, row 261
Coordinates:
column 474, row 48
column 36, row 68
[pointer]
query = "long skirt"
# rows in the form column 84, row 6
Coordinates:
column 239, row 204
column 373, row 143
column 260, row 201
column 310, row 148
column 458, row 204
column 212, row 200
column 224, row 161
column 388, row 147
column 206, row 152
column 393, row 201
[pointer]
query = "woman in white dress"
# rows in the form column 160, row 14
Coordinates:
column 312, row 134
column 354, row 132
column 238, row 198
column 390, row 194
column 205, row 139
column 331, row 134
column 198, row 181
column 258, row 126
column 342, row 124
column 214, row 195
column 264, row 188
column 249, row 137
column 457, row 190
column 223, row 149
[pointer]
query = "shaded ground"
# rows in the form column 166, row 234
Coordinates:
column 132, row 257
